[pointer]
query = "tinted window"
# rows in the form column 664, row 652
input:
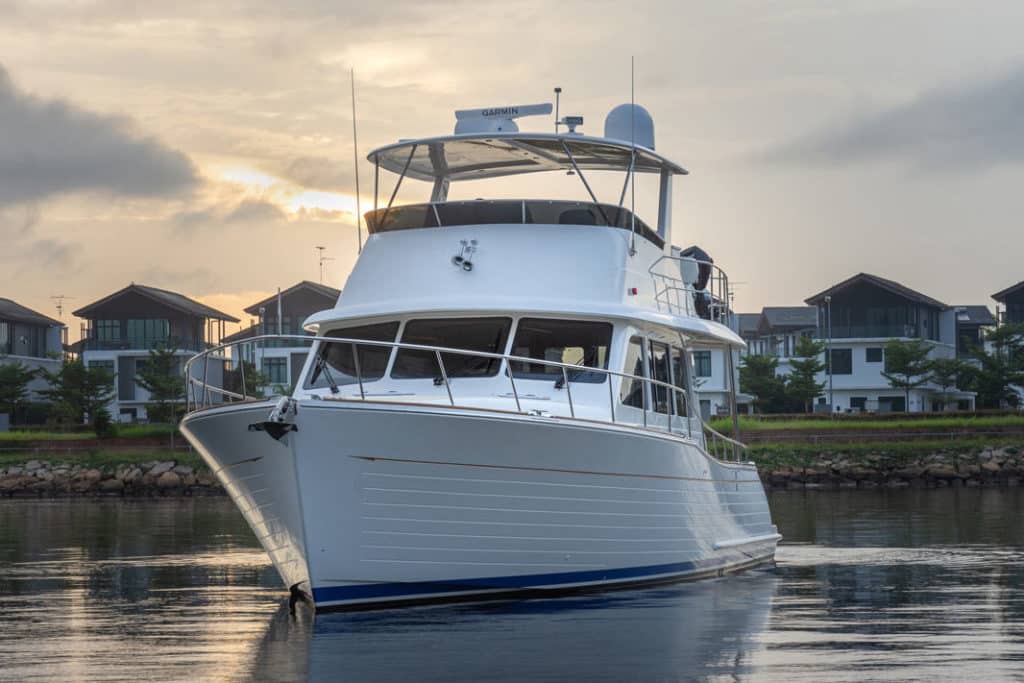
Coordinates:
column 632, row 392
column 575, row 342
column 473, row 334
column 660, row 370
column 337, row 361
column 873, row 354
column 679, row 379
column 842, row 362
column 702, row 363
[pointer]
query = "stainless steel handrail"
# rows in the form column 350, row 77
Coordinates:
column 674, row 295
column 207, row 390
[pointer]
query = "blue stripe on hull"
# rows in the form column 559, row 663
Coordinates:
column 419, row 590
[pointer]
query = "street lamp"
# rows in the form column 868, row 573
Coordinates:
column 828, row 354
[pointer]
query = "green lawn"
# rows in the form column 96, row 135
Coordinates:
column 110, row 459
column 805, row 455
column 123, row 431
column 724, row 424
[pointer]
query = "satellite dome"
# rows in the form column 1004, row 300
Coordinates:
column 630, row 123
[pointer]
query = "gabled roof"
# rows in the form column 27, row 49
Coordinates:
column 882, row 283
column 793, row 317
column 1013, row 289
column 747, row 323
column 974, row 315
column 178, row 302
column 244, row 333
column 15, row 312
column 328, row 292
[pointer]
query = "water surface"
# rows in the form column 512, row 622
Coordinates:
column 870, row 585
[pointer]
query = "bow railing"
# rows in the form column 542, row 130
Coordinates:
column 663, row 406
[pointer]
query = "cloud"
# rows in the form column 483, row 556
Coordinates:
column 52, row 147
column 970, row 125
column 247, row 212
column 319, row 173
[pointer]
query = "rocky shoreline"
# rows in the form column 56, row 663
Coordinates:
column 42, row 479
column 988, row 467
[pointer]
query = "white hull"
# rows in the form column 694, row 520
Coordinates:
column 371, row 502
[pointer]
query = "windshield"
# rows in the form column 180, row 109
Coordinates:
column 576, row 342
column 473, row 334
column 336, row 362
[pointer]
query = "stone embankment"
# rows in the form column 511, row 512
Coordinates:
column 988, row 467
column 40, row 478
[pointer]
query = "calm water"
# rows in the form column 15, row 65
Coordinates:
column 901, row 586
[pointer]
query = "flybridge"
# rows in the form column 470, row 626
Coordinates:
column 496, row 119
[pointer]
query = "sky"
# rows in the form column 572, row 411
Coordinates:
column 207, row 148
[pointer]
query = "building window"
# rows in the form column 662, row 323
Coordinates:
column 108, row 330
column 107, row 365
column 842, row 362
column 702, row 363
column 276, row 370
column 147, row 333
column 873, row 354
column 5, row 337
column 859, row 403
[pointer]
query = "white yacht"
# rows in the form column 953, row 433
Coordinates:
column 501, row 402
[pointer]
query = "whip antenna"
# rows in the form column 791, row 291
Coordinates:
column 355, row 162
column 632, row 141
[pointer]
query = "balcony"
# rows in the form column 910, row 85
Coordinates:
column 869, row 332
column 144, row 344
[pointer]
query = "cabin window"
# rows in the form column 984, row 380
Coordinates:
column 661, row 372
column 679, row 379
column 575, row 342
column 336, row 362
column 473, row 334
column 632, row 392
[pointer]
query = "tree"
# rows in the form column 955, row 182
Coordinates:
column 758, row 377
column 161, row 377
column 947, row 373
column 906, row 365
column 803, row 386
column 1001, row 369
column 80, row 393
column 14, row 379
column 255, row 381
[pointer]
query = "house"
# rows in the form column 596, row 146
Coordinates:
column 1012, row 299
column 857, row 318
column 121, row 329
column 281, row 362
column 32, row 339
column 971, row 324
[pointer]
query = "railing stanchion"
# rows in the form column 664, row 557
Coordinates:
column 359, row 373
column 568, row 392
column 611, row 399
column 512, row 381
column 444, row 377
column 206, row 376
column 643, row 398
column 241, row 368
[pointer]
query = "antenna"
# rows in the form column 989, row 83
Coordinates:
column 558, row 100
column 323, row 259
column 632, row 141
column 355, row 162
column 59, row 299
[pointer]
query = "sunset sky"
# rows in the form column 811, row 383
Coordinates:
column 206, row 147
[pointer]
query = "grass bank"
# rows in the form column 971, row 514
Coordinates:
column 101, row 458
column 753, row 424
column 123, row 431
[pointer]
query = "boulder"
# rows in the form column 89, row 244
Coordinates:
column 942, row 471
column 168, row 480
column 111, row 485
column 992, row 467
column 183, row 470
column 161, row 467
column 33, row 465
column 14, row 470
column 91, row 475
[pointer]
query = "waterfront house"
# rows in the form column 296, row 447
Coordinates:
column 857, row 318
column 972, row 322
column 282, row 362
column 122, row 328
column 32, row 339
column 1012, row 299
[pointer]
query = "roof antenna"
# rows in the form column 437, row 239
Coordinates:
column 558, row 99
column 323, row 259
column 632, row 140
column 355, row 162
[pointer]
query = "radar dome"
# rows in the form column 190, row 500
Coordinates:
column 630, row 123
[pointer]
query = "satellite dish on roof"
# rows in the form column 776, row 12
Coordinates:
column 630, row 123
column 496, row 119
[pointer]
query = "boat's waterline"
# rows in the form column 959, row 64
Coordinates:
column 372, row 503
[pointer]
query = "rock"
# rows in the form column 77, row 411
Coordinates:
column 14, row 470
column 91, row 475
column 161, row 467
column 183, row 470
column 206, row 479
column 33, row 465
column 112, row 484
column 991, row 467
column 10, row 483
column 189, row 480
column 132, row 475
column 942, row 471
column 969, row 470
column 168, row 480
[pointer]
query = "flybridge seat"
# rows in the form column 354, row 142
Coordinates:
column 507, row 211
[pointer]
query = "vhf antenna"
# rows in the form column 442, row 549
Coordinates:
column 59, row 299
column 558, row 99
column 632, row 140
column 355, row 162
column 323, row 259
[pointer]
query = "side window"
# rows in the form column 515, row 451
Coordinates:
column 336, row 363
column 660, row 371
column 679, row 379
column 575, row 342
column 472, row 334
column 632, row 392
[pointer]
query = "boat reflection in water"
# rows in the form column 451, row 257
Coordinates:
column 707, row 630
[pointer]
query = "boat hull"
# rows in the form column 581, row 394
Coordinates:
column 369, row 504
